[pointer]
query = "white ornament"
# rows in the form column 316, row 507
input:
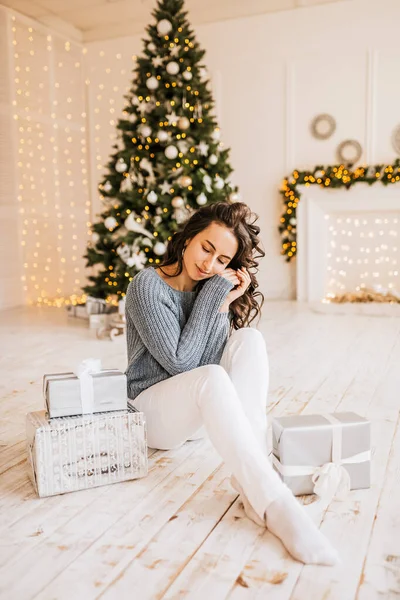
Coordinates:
column 110, row 222
column 175, row 50
column 183, row 123
column 203, row 148
column 132, row 118
column 183, row 146
column 203, row 73
column 177, row 202
column 95, row 237
column 165, row 187
column 146, row 165
column 156, row 221
column 162, row 135
column 145, row 130
column 107, row 187
column 234, row 197
column 201, row 199
column 180, row 215
column 219, row 183
column 213, row 159
column 124, row 252
column 172, row 68
column 159, row 248
column 157, row 61
column 126, row 185
column 137, row 260
column 152, row 83
column 187, row 75
column 152, row 197
column 132, row 225
column 172, row 118
column 207, row 182
column 171, row 152
column 135, row 101
column 120, row 165
column 293, row 221
column 151, row 47
column 164, row 27
column 216, row 134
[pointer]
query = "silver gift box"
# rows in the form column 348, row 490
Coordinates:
column 62, row 393
column 306, row 440
column 75, row 453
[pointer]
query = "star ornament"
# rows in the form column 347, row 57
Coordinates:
column 175, row 50
column 142, row 107
column 157, row 61
column 172, row 118
column 165, row 187
column 203, row 148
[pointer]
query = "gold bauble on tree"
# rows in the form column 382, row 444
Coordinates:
column 177, row 202
column 183, row 123
column 185, row 181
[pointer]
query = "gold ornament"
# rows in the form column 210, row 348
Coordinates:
column 183, row 123
column 185, row 181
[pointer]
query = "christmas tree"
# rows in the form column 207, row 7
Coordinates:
column 169, row 160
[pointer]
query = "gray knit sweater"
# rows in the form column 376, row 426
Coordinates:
column 171, row 331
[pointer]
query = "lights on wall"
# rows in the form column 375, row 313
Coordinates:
column 363, row 252
column 52, row 177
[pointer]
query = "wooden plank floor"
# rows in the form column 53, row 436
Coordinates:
column 181, row 531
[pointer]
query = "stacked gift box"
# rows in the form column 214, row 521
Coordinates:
column 87, row 435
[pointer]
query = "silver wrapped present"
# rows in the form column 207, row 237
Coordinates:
column 323, row 454
column 89, row 389
column 76, row 453
column 78, row 311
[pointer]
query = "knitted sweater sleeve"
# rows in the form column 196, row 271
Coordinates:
column 217, row 340
column 155, row 317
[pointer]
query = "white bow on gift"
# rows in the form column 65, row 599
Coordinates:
column 84, row 372
column 332, row 478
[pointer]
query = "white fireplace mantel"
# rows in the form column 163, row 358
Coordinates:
column 315, row 206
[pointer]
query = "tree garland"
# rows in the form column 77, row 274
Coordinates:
column 326, row 177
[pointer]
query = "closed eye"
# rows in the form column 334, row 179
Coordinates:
column 208, row 252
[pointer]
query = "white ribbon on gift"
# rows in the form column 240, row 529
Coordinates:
column 84, row 372
column 331, row 479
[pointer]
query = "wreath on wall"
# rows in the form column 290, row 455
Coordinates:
column 337, row 176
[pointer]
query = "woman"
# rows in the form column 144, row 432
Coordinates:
column 191, row 379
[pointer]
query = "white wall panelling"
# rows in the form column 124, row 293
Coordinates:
column 272, row 73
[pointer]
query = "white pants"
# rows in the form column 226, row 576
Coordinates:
column 227, row 402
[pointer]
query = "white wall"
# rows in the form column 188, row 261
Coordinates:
column 271, row 75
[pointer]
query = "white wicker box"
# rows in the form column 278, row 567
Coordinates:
column 67, row 454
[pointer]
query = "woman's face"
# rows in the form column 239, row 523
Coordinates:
column 211, row 250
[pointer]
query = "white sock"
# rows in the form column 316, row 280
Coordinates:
column 248, row 509
column 288, row 520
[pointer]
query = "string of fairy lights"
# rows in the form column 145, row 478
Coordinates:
column 52, row 177
column 333, row 177
column 363, row 250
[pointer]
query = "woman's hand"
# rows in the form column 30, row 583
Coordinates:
column 241, row 279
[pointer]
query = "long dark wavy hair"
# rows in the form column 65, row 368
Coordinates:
column 239, row 219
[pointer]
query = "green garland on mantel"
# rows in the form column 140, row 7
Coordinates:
column 335, row 176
